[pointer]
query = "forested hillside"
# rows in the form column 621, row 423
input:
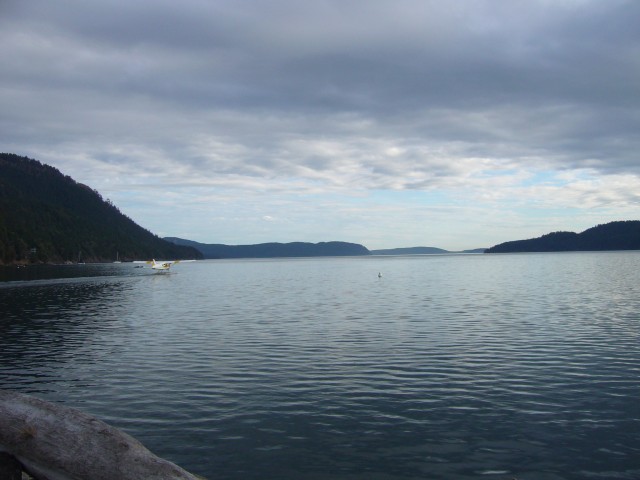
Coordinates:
column 623, row 235
column 46, row 216
column 274, row 249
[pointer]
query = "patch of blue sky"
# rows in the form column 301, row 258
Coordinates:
column 536, row 212
column 414, row 197
column 546, row 177
column 498, row 172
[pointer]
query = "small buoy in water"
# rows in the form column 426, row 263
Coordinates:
column 379, row 275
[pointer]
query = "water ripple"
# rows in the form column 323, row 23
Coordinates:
column 448, row 367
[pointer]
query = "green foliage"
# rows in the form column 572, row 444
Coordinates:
column 46, row 216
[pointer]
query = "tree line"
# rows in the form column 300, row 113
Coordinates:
column 47, row 217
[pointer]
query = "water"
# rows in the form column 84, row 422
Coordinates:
column 448, row 367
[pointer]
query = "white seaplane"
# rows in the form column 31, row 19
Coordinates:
column 163, row 265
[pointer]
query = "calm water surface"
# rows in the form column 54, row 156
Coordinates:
column 447, row 367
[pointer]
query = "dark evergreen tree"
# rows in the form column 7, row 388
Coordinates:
column 46, row 216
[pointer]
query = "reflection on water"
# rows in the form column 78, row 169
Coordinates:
column 446, row 367
column 41, row 273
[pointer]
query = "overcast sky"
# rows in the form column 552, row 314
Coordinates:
column 456, row 124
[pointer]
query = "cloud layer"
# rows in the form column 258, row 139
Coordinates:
column 388, row 123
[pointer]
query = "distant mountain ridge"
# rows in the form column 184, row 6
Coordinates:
column 409, row 251
column 46, row 216
column 274, row 249
column 302, row 249
column 622, row 235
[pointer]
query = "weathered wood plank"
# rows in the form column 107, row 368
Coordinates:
column 55, row 442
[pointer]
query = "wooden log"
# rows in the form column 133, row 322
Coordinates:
column 54, row 442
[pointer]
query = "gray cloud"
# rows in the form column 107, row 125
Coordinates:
column 359, row 96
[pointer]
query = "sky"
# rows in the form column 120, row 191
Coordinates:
column 458, row 124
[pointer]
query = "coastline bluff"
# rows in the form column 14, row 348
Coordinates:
column 54, row 442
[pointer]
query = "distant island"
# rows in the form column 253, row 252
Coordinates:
column 622, row 235
column 47, row 217
column 421, row 251
column 273, row 250
column 302, row 249
column 409, row 251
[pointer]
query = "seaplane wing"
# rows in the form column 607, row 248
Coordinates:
column 163, row 264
